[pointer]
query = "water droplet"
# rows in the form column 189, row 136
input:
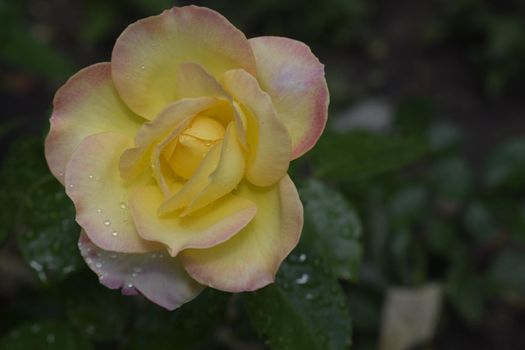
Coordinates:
column 114, row 233
column 130, row 285
column 123, row 205
column 91, row 177
column 143, row 67
column 50, row 338
column 107, row 222
column 99, row 210
column 61, row 174
column 303, row 279
column 134, row 275
column 302, row 257
column 70, row 185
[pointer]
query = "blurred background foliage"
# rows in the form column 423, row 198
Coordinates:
column 414, row 197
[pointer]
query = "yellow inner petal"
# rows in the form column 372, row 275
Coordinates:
column 193, row 144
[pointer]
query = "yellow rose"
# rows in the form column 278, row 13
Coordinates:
column 176, row 153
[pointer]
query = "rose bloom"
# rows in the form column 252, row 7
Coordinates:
column 175, row 154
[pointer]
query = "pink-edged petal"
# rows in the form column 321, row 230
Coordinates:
column 85, row 105
column 227, row 175
column 148, row 54
column 269, row 143
column 250, row 259
column 294, row 78
column 100, row 195
column 206, row 228
column 170, row 122
column 156, row 275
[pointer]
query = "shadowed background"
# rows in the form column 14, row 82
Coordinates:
column 425, row 145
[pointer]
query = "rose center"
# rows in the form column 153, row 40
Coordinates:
column 193, row 145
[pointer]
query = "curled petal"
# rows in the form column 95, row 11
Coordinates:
column 170, row 122
column 87, row 104
column 226, row 176
column 100, row 195
column 268, row 140
column 250, row 259
column 206, row 228
column 295, row 80
column 147, row 55
column 199, row 180
column 156, row 275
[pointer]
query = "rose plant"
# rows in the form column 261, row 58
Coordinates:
column 175, row 154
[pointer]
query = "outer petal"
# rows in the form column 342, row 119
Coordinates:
column 87, row 104
column 157, row 276
column 268, row 140
column 147, row 55
column 204, row 229
column 294, row 77
column 100, row 195
column 250, row 259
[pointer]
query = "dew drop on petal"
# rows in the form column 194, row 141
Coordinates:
column 303, row 279
column 91, row 177
column 114, row 233
column 123, row 205
column 107, row 223
column 99, row 210
column 130, row 285
column 302, row 257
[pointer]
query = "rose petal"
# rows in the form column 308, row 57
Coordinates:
column 295, row 80
column 170, row 122
column 268, row 140
column 226, row 176
column 101, row 196
column 203, row 229
column 194, row 81
column 156, row 275
column 250, row 259
column 147, row 55
column 87, row 104
column 199, row 180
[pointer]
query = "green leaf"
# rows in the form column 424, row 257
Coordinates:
column 358, row 156
column 49, row 240
column 97, row 312
column 332, row 227
column 443, row 136
column 451, row 178
column 408, row 205
column 506, row 166
column 23, row 166
column 507, row 272
column 480, row 223
column 49, row 335
column 304, row 309
column 188, row 327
